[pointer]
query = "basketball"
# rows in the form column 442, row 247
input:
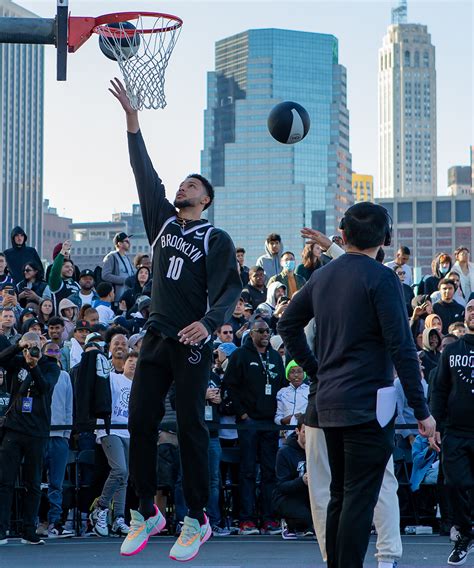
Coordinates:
column 120, row 48
column 288, row 122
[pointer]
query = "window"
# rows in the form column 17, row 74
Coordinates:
column 463, row 211
column 424, row 212
column 443, row 211
column 407, row 58
column 417, row 58
column 405, row 213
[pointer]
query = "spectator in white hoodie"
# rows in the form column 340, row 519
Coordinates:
column 293, row 399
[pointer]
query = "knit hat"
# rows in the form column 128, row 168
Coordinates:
column 276, row 342
column 57, row 250
column 227, row 348
column 429, row 320
column 290, row 366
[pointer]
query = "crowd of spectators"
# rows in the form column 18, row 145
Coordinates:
column 63, row 329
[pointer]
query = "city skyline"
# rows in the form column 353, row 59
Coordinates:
column 93, row 138
column 308, row 183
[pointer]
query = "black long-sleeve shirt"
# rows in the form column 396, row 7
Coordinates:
column 195, row 275
column 452, row 389
column 362, row 327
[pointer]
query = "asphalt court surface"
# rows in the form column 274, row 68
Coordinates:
column 226, row 552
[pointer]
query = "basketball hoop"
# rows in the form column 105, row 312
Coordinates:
column 141, row 43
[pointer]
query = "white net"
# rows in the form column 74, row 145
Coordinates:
column 142, row 51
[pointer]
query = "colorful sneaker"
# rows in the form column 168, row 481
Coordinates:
column 31, row 539
column 286, row 532
column 247, row 528
column 101, row 526
column 119, row 528
column 140, row 531
column 178, row 528
column 271, row 527
column 56, row 530
column 463, row 546
column 42, row 529
column 192, row 536
column 219, row 531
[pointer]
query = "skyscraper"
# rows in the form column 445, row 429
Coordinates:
column 21, row 135
column 407, row 110
column 263, row 186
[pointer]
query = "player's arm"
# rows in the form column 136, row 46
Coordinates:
column 223, row 280
column 291, row 328
column 151, row 191
column 224, row 287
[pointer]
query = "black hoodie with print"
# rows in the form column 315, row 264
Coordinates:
column 452, row 394
column 18, row 256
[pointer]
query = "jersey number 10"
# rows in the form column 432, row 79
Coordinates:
column 175, row 267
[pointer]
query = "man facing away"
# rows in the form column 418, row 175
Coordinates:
column 196, row 285
column 361, row 328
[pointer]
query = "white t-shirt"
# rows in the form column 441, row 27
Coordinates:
column 120, row 387
column 86, row 299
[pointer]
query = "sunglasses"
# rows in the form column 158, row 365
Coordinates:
column 28, row 270
column 227, row 332
column 262, row 330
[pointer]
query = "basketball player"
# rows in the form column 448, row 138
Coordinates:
column 361, row 328
column 196, row 285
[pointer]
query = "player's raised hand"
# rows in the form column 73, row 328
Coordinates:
column 119, row 92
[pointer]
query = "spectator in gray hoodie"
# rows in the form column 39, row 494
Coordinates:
column 270, row 261
column 117, row 267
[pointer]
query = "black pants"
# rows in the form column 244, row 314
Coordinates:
column 357, row 457
column 161, row 362
column 296, row 511
column 13, row 449
column 458, row 467
column 261, row 446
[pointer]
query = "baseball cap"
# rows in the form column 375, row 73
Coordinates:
column 86, row 272
column 93, row 337
column 120, row 237
column 83, row 324
column 143, row 302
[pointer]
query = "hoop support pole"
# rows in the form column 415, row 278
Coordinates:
column 28, row 30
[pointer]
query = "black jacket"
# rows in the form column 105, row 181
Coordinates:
column 362, row 331
column 290, row 468
column 254, row 296
column 40, row 382
column 92, row 394
column 17, row 256
column 449, row 312
column 195, row 275
column 246, row 377
column 452, row 389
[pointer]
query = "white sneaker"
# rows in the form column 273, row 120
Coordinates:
column 101, row 527
column 58, row 531
column 119, row 528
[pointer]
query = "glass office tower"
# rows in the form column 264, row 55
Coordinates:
column 263, row 186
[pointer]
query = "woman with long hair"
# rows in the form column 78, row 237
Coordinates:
column 46, row 311
column 32, row 286
column 311, row 257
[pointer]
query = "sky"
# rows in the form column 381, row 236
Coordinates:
column 86, row 168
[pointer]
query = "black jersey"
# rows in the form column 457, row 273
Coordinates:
column 195, row 275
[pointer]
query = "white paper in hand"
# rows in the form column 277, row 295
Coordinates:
column 386, row 404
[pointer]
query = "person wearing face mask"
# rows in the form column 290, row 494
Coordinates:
column 287, row 276
column 440, row 267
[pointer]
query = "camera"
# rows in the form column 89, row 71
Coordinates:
column 284, row 300
column 34, row 351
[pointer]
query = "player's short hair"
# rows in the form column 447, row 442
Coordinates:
column 240, row 249
column 207, row 185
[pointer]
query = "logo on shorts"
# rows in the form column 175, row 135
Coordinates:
column 195, row 357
